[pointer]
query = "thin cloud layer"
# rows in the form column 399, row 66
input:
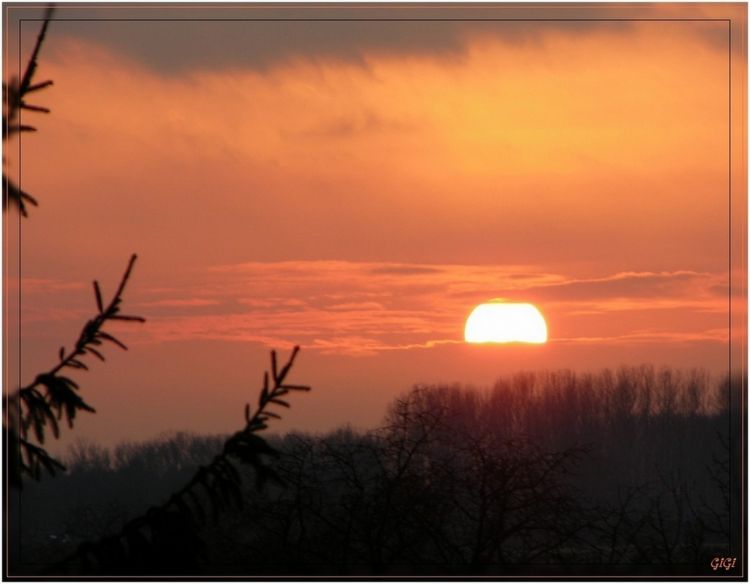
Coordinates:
column 366, row 308
column 628, row 285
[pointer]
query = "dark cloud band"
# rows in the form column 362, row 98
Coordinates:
column 179, row 38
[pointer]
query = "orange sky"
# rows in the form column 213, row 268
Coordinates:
column 358, row 191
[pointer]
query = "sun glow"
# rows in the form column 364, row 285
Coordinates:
column 499, row 322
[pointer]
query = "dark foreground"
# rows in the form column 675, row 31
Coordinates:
column 627, row 473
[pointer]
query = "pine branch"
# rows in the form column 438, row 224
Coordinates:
column 17, row 196
column 14, row 100
column 147, row 544
column 40, row 406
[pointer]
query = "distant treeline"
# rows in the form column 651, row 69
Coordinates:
column 554, row 472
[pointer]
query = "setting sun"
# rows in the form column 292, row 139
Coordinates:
column 499, row 322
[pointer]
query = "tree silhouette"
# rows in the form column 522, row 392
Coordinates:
column 39, row 406
column 165, row 539
column 14, row 102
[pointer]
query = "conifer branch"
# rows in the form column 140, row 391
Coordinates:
column 14, row 100
column 138, row 548
column 42, row 404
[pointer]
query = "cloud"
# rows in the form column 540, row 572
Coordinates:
column 271, row 302
column 719, row 335
column 179, row 303
column 45, row 285
column 366, row 308
column 346, row 127
column 484, row 174
column 404, row 270
column 357, row 306
column 176, row 45
column 175, row 39
column 623, row 285
column 369, row 307
column 512, row 144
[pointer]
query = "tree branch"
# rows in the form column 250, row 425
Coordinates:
column 44, row 402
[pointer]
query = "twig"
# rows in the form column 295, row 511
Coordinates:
column 14, row 99
column 43, row 402
column 136, row 548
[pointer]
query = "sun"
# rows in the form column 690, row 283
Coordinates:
column 502, row 322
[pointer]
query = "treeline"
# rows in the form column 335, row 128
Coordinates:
column 625, row 471
column 101, row 490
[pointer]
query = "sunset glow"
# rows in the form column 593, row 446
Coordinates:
column 358, row 187
column 498, row 322
column 407, row 289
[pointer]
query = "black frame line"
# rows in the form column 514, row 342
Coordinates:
column 740, row 577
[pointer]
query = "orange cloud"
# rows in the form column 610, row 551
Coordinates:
column 370, row 307
column 602, row 146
